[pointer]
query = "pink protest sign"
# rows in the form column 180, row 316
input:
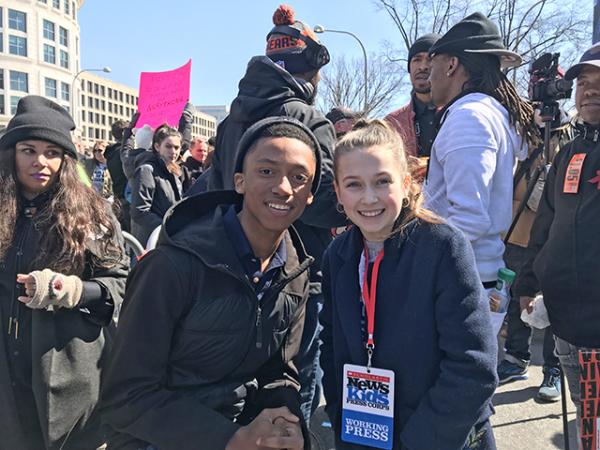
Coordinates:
column 163, row 96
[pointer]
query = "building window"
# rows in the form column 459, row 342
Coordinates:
column 49, row 54
column 91, row 117
column 49, row 30
column 97, row 103
column 102, row 91
column 121, row 108
column 91, row 133
column 2, row 110
column 65, row 91
column 63, row 35
column 83, row 100
column 42, row 1
column 1, row 41
column 89, row 86
column 74, row 9
column 90, row 102
column 1, row 79
column 121, row 97
column 19, row 81
column 110, row 107
column 50, row 87
column 97, row 118
column 56, row 4
column 14, row 101
column 103, row 105
column 64, row 59
column 96, row 89
column 17, row 45
column 17, row 20
column 109, row 92
column 67, row 7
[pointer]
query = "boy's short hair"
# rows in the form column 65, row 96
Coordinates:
column 279, row 126
column 117, row 129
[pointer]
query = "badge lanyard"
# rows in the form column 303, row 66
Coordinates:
column 369, row 294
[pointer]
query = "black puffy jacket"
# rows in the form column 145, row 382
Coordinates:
column 191, row 353
column 153, row 191
column 268, row 90
column 564, row 247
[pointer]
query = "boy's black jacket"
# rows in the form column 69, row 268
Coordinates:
column 186, row 361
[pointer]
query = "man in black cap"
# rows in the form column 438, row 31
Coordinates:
column 564, row 246
column 416, row 121
column 484, row 127
column 284, row 83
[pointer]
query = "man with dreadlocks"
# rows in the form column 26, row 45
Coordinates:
column 484, row 126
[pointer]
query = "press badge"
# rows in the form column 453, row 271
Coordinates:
column 368, row 407
column 573, row 174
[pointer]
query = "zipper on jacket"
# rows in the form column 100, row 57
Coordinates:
column 259, row 340
column 14, row 315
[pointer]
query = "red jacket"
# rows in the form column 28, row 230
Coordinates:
column 403, row 121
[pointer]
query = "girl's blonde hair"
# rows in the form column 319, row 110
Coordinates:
column 375, row 132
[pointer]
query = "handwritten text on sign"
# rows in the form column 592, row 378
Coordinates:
column 589, row 364
column 163, row 96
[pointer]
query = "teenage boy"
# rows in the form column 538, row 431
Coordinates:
column 214, row 315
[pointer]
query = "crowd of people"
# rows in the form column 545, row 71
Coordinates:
column 297, row 256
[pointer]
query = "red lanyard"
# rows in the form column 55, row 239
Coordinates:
column 370, row 298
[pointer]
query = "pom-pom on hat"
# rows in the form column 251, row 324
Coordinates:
column 38, row 118
column 293, row 45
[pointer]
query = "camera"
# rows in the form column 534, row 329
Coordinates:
column 546, row 83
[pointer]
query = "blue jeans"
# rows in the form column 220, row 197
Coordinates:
column 307, row 360
column 568, row 356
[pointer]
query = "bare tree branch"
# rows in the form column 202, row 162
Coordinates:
column 342, row 84
column 529, row 27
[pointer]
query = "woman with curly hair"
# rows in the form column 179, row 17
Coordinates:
column 62, row 276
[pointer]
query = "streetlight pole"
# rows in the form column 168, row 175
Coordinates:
column 322, row 29
column 75, row 95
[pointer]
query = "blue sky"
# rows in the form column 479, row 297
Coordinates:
column 220, row 36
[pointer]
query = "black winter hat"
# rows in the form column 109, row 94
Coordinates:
column 476, row 34
column 40, row 118
column 251, row 135
column 422, row 44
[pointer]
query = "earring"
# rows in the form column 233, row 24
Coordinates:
column 340, row 208
column 447, row 74
column 405, row 202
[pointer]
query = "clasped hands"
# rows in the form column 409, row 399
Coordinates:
column 275, row 428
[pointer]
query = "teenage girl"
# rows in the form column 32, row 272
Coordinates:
column 402, row 294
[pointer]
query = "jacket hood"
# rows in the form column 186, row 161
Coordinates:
column 264, row 86
column 195, row 225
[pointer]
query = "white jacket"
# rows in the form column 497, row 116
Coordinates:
column 470, row 179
